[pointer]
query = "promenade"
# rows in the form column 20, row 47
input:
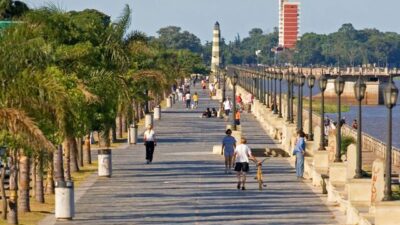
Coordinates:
column 186, row 183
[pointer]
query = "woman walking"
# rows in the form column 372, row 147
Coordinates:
column 150, row 143
column 299, row 151
column 241, row 155
column 188, row 100
column 228, row 147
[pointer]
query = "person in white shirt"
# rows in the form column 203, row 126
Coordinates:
column 150, row 143
column 241, row 157
column 227, row 108
column 188, row 99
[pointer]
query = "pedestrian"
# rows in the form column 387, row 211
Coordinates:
column 299, row 151
column 228, row 148
column 239, row 100
column 196, row 100
column 188, row 100
column 206, row 114
column 203, row 85
column 241, row 157
column 249, row 101
column 237, row 117
column 355, row 124
column 150, row 143
column 214, row 112
column 227, row 107
column 211, row 87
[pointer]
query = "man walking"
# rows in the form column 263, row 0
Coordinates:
column 150, row 143
column 241, row 157
column 188, row 100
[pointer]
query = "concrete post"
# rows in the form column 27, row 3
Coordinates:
column 105, row 163
column 148, row 120
column 132, row 134
column 64, row 202
column 157, row 112
column 169, row 101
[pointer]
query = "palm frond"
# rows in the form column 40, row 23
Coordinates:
column 16, row 122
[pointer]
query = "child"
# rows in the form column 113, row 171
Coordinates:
column 237, row 117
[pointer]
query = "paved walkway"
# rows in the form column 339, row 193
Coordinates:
column 186, row 184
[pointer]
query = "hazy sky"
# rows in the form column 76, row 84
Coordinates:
column 239, row 16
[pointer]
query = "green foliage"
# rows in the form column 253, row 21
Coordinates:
column 346, row 141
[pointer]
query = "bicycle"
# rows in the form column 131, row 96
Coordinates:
column 259, row 175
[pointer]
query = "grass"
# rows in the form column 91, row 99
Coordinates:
column 40, row 211
column 329, row 107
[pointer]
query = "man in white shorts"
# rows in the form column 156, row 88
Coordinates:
column 241, row 157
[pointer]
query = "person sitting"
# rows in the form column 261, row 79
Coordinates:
column 214, row 112
column 206, row 114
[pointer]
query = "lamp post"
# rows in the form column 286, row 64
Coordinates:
column 291, row 80
column 234, row 82
column 280, row 77
column 300, row 82
column 263, row 86
column 287, row 97
column 274, row 75
column 322, row 82
column 359, row 92
column 268, row 90
column 390, row 95
column 339, row 87
column 310, row 82
column 223, row 86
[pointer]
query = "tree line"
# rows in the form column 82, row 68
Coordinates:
column 64, row 74
column 345, row 47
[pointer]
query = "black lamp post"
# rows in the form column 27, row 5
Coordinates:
column 146, row 103
column 287, row 96
column 310, row 82
column 274, row 75
column 234, row 82
column 223, row 86
column 267, row 75
column 300, row 82
column 339, row 87
column 390, row 95
column 280, row 77
column 359, row 92
column 322, row 82
column 263, row 86
column 291, row 80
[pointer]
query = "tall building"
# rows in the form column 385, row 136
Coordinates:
column 289, row 14
column 216, row 55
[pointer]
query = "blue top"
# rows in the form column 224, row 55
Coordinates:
column 300, row 146
column 229, row 141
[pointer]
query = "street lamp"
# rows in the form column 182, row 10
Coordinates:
column 263, row 85
column 280, row 77
column 310, row 82
column 268, row 90
column 275, row 76
column 339, row 87
column 359, row 92
column 287, row 96
column 234, row 82
column 291, row 80
column 300, row 82
column 223, row 86
column 322, row 82
column 390, row 95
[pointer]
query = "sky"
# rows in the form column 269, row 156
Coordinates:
column 240, row 16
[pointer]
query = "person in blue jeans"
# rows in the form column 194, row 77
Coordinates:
column 228, row 147
column 299, row 151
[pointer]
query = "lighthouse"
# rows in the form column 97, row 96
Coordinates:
column 216, row 55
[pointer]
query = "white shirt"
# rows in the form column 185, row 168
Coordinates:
column 149, row 135
column 227, row 105
column 187, row 96
column 242, row 152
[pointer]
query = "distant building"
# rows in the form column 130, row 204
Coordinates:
column 289, row 14
column 216, row 55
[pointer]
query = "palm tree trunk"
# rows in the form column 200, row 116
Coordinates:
column 105, row 138
column 114, row 132
column 24, row 180
column 12, row 217
column 33, row 172
column 50, row 176
column 86, row 150
column 118, row 127
column 80, row 151
column 3, row 193
column 124, row 124
column 58, row 164
column 67, row 159
column 73, row 149
column 39, row 192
